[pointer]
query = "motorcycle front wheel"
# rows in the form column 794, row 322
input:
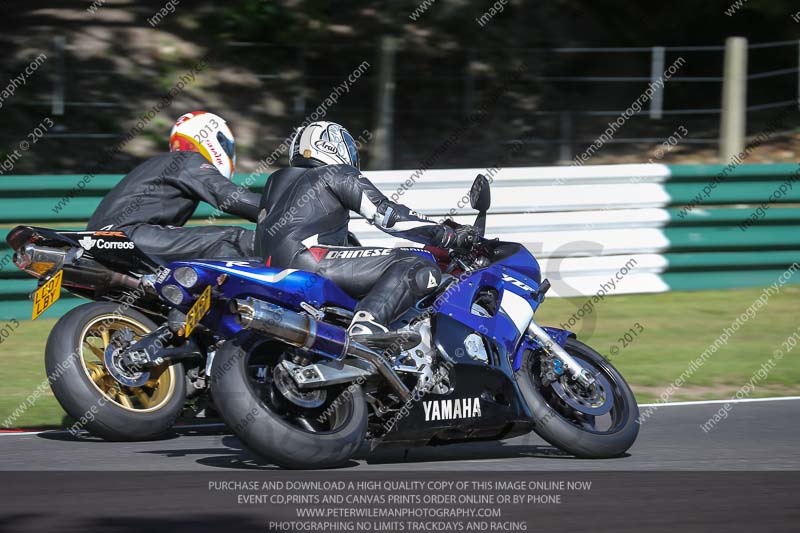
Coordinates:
column 289, row 427
column 561, row 410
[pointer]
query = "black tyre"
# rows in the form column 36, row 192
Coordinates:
column 563, row 425
column 76, row 359
column 262, row 407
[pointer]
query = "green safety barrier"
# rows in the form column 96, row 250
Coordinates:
column 707, row 245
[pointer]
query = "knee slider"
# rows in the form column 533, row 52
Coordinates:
column 424, row 278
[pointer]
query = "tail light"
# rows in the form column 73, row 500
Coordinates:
column 39, row 260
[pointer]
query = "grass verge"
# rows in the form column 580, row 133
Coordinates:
column 673, row 329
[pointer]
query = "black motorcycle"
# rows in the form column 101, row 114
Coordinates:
column 123, row 365
column 86, row 351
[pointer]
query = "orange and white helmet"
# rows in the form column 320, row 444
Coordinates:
column 207, row 134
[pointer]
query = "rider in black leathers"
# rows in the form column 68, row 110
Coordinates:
column 303, row 224
column 162, row 193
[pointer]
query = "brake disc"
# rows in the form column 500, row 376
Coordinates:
column 289, row 389
column 596, row 401
column 112, row 358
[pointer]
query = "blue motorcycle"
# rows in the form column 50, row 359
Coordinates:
column 466, row 363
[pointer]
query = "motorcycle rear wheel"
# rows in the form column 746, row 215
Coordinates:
column 567, row 429
column 261, row 407
column 89, row 393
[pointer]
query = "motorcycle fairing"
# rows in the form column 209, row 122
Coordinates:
column 516, row 306
column 519, row 259
column 437, row 418
column 286, row 287
column 124, row 255
column 503, row 412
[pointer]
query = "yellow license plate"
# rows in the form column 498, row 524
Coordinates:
column 198, row 311
column 46, row 295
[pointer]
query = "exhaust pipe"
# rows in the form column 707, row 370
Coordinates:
column 305, row 332
column 98, row 278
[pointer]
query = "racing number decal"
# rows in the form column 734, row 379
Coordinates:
column 46, row 295
column 198, row 311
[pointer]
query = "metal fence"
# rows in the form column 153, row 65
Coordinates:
column 551, row 110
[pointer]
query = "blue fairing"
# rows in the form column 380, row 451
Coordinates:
column 524, row 263
column 286, row 287
column 517, row 275
column 515, row 278
column 289, row 286
column 422, row 253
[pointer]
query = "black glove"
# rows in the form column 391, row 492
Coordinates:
column 462, row 237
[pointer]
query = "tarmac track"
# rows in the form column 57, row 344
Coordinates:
column 742, row 474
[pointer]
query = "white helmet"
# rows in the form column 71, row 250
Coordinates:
column 207, row 134
column 323, row 143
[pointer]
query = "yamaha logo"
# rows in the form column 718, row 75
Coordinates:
column 163, row 273
column 87, row 243
column 451, row 409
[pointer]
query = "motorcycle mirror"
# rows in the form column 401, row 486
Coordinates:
column 480, row 196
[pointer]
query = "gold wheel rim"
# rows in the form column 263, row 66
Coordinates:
column 151, row 396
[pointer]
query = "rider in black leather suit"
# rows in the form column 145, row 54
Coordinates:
column 162, row 193
column 303, row 224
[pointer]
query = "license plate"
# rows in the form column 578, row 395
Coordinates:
column 198, row 311
column 46, row 295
